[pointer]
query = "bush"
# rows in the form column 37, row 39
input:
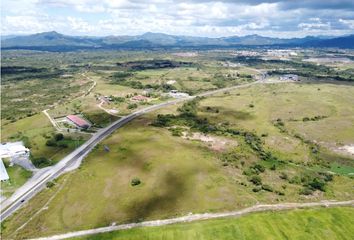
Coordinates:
column 63, row 145
column 256, row 180
column 50, row 184
column 176, row 132
column 41, row 162
column 283, row 176
column 267, row 188
column 51, row 143
column 132, row 106
column 58, row 136
column 295, row 180
column 258, row 168
column 318, row 184
column 306, row 191
column 135, row 181
column 257, row 189
column 280, row 193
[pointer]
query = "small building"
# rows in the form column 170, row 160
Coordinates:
column 139, row 98
column 177, row 94
column 12, row 149
column 3, row 173
column 289, row 77
column 78, row 121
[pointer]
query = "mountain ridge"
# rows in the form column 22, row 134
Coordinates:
column 56, row 41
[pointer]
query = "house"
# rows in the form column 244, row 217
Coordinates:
column 78, row 121
column 289, row 77
column 139, row 98
column 177, row 94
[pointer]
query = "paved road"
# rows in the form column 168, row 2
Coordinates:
column 36, row 184
column 203, row 216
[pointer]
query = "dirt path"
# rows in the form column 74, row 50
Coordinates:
column 109, row 111
column 203, row 216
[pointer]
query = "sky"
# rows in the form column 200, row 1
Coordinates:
column 207, row 18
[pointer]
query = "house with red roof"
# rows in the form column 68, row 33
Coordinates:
column 78, row 121
column 139, row 98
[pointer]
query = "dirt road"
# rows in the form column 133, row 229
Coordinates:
column 204, row 216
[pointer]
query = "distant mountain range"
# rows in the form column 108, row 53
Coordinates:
column 53, row 41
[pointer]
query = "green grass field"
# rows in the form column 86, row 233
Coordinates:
column 18, row 176
column 311, row 224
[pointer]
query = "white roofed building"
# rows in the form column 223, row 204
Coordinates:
column 13, row 149
column 3, row 173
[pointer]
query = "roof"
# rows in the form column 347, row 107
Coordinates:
column 139, row 98
column 12, row 148
column 78, row 121
column 3, row 173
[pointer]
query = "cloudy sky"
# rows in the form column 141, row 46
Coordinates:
column 287, row 18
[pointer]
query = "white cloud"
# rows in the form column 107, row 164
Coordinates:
column 198, row 17
column 79, row 25
column 348, row 22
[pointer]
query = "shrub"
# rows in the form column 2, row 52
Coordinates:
column 283, row 175
column 51, row 143
column 132, row 106
column 280, row 193
column 135, row 181
column 58, row 136
column 256, row 180
column 267, row 188
column 50, row 184
column 295, row 180
column 318, row 184
column 63, row 145
column 176, row 132
column 257, row 189
column 258, row 168
column 306, row 191
column 41, row 162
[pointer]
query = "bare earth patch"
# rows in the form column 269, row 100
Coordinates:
column 215, row 143
column 347, row 149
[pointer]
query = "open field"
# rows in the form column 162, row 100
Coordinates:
column 333, row 223
column 18, row 176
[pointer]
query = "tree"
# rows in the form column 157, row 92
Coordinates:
column 135, row 181
column 58, row 136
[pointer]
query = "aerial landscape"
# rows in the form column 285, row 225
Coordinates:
column 164, row 119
